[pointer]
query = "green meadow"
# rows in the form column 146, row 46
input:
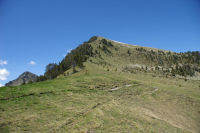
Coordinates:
column 94, row 101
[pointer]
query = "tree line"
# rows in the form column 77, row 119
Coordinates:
column 75, row 58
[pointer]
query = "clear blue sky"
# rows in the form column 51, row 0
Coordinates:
column 42, row 31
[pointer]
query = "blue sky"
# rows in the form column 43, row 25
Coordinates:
column 34, row 33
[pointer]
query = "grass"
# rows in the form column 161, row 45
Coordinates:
column 83, row 102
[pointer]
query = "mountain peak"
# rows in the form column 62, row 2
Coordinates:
column 117, row 56
column 96, row 38
column 24, row 78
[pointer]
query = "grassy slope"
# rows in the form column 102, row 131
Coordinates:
column 119, row 57
column 85, row 101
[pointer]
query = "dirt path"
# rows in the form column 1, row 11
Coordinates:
column 156, row 89
column 117, row 88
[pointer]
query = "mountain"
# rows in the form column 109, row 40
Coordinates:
column 24, row 78
column 110, row 87
column 119, row 56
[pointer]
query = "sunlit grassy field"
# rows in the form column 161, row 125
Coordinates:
column 95, row 100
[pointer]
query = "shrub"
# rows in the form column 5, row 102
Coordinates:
column 129, row 52
column 92, row 39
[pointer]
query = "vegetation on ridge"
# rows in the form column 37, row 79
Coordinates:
column 171, row 63
column 75, row 58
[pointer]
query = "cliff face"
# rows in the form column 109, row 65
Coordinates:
column 24, row 78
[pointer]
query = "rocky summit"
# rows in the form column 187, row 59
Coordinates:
column 24, row 78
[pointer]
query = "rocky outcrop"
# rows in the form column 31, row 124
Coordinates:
column 24, row 78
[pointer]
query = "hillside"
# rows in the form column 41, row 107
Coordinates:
column 108, row 86
column 120, row 57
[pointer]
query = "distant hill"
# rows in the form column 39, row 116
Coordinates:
column 24, row 78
